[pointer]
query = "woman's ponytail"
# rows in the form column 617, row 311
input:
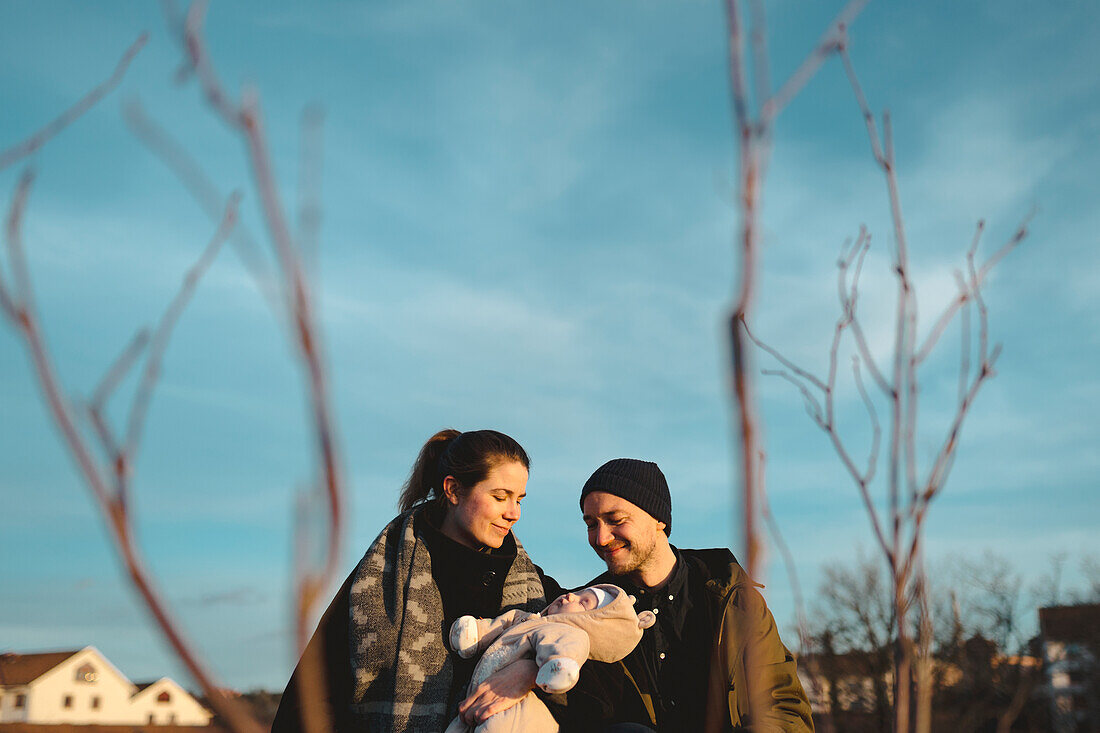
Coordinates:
column 425, row 472
column 468, row 457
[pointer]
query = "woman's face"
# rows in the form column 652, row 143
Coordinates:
column 484, row 516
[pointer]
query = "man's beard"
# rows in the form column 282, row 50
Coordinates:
column 635, row 557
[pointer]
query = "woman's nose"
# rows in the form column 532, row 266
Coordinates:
column 512, row 512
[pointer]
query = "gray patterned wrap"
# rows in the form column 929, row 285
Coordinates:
column 402, row 669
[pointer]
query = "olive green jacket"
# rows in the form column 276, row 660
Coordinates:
column 771, row 698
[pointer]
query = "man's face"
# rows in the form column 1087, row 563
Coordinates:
column 623, row 535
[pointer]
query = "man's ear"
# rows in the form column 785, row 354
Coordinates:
column 646, row 619
column 661, row 526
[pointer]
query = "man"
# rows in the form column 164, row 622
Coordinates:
column 715, row 641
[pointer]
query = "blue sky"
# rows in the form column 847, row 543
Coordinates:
column 527, row 226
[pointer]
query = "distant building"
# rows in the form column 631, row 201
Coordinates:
column 83, row 688
column 1070, row 638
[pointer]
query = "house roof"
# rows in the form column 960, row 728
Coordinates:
column 1079, row 623
column 22, row 669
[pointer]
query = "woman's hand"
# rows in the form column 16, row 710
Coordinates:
column 502, row 690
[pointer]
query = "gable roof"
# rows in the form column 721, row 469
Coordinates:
column 22, row 669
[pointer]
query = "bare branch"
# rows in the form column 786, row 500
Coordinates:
column 759, row 43
column 25, row 320
column 737, row 71
column 118, row 369
column 22, row 297
column 21, row 150
column 212, row 88
column 1017, row 237
column 788, row 559
column 937, row 475
column 784, row 360
column 983, row 313
column 102, row 393
column 833, row 39
column 941, row 324
column 864, row 107
column 956, row 303
column 247, row 120
column 876, row 429
column 964, row 334
column 162, row 335
column 309, row 184
column 203, row 190
column 848, row 302
column 812, row 406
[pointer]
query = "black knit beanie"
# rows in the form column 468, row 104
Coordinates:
column 639, row 482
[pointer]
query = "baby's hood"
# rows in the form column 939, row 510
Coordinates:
column 613, row 629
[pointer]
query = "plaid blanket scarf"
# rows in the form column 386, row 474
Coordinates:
column 402, row 670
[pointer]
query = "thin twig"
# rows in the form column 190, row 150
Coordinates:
column 812, row 405
column 876, row 429
column 163, row 332
column 22, row 297
column 309, row 184
column 785, row 361
column 738, row 95
column 949, row 312
column 102, row 392
column 759, row 43
column 831, row 40
column 212, row 88
column 205, row 193
column 7, row 304
column 788, row 560
column 848, row 298
column 118, row 368
column 964, row 334
column 21, row 150
column 864, row 107
column 26, row 321
column 977, row 276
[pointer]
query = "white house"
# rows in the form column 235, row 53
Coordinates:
column 83, row 688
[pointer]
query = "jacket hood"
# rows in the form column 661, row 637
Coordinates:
column 613, row 629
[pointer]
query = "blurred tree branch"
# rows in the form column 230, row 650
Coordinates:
column 287, row 289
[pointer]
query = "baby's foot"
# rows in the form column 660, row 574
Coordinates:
column 464, row 636
column 558, row 675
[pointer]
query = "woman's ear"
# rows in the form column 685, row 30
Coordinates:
column 450, row 490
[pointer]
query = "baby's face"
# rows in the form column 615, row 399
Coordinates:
column 583, row 600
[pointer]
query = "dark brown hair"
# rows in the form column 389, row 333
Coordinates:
column 468, row 457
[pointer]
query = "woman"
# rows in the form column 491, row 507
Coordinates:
column 450, row 553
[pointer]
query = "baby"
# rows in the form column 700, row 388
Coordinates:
column 598, row 623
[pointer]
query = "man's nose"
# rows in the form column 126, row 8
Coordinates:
column 603, row 535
